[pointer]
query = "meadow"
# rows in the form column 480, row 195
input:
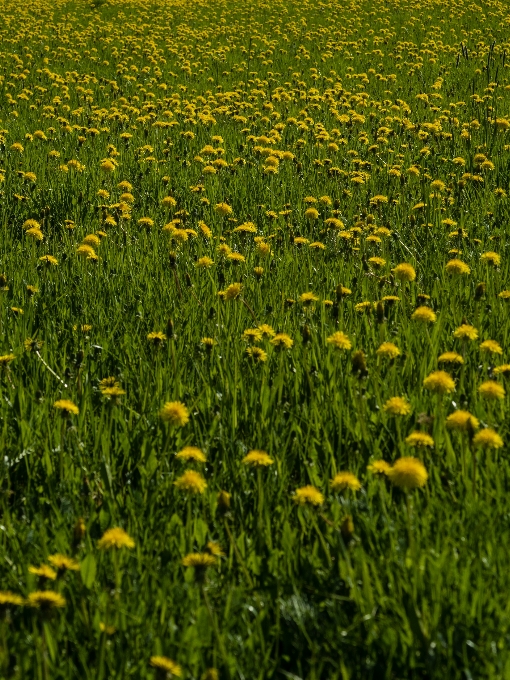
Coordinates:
column 254, row 327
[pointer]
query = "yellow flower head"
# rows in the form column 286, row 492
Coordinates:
column 266, row 330
column 491, row 347
column 199, row 560
column 252, row 335
column 440, row 382
column 490, row 389
column 388, row 350
column 232, row 292
column 307, row 299
column 49, row 260
column 345, row 480
column 8, row 599
column 424, row 314
column 458, row 267
column 115, row 538
column 192, row 453
column 223, row 209
column 404, row 272
column 311, row 214
column 408, row 473
column 191, row 482
column 204, row 262
column 257, row 354
column 66, row 406
column 339, row 341
column 465, row 332
column 462, row 420
column 282, row 341
column 487, row 439
column 450, row 358
column 156, row 337
column 419, row 439
column 379, row 467
column 63, row 563
column 491, row 258
column 46, row 600
column 397, row 406
column 43, row 572
column 174, row 413
column 257, row 459
column 167, row 665
column 504, row 370
column 308, row 495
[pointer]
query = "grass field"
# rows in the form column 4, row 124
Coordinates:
column 254, row 331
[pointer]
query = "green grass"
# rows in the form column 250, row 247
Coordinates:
column 418, row 590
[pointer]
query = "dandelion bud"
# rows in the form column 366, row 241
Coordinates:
column 347, row 528
column 359, row 363
column 3, row 281
column 188, row 280
column 306, row 334
column 173, row 259
column 224, row 501
column 79, row 530
column 169, row 329
column 480, row 291
column 379, row 312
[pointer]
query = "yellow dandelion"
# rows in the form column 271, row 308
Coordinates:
column 424, row 314
column 115, row 538
column 257, row 354
column 397, row 406
column 487, row 439
column 63, row 563
column 8, row 599
column 223, row 209
column 257, row 458
column 339, row 341
column 408, row 473
column 462, row 420
column 165, row 664
column 379, row 467
column 404, row 272
column 491, row 258
column 490, row 389
column 191, row 482
column 282, row 341
column 388, row 350
column 457, row 267
column 308, row 495
column 450, row 358
column 43, row 572
column 465, row 332
column 307, row 299
column 440, row 382
column 192, row 453
column 46, row 600
column 174, row 413
column 67, row 407
column 491, row 347
column 345, row 480
column 419, row 439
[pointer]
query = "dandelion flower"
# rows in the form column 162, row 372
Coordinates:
column 167, row 665
column 156, row 338
column 487, row 439
column 49, row 260
column 419, row 439
column 345, row 480
column 462, row 420
column 491, row 258
column 46, row 600
column 223, row 209
column 252, row 335
column 282, row 341
column 388, row 350
column 67, row 407
column 266, row 330
column 257, row 459
column 199, row 560
column 424, row 314
column 397, row 406
column 466, row 332
column 63, row 563
column 311, row 214
column 504, row 370
column 339, row 341
column 308, row 495
column 257, row 354
column 43, row 572
column 115, row 538
column 174, row 413
column 192, row 482
column 191, row 453
column 490, row 389
column 408, row 473
column 457, row 267
column 232, row 292
column 379, row 467
column 204, row 262
column 440, row 382
column 450, row 358
column 404, row 272
column 491, row 347
column 307, row 299
column 8, row 599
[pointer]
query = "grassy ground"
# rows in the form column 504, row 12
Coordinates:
column 304, row 149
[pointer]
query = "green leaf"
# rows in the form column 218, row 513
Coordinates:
column 88, row 570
